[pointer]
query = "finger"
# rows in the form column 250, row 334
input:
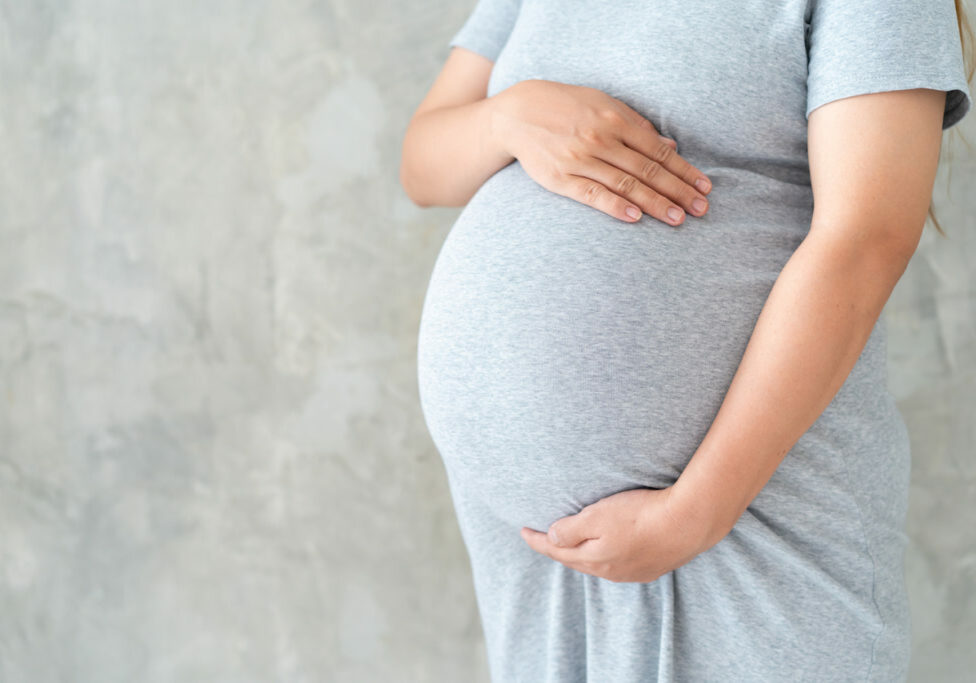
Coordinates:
column 652, row 146
column 539, row 542
column 582, row 558
column 638, row 120
column 636, row 117
column 570, row 531
column 536, row 540
column 652, row 176
column 590, row 192
column 592, row 189
column 644, row 124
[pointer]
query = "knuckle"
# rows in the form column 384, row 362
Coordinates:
column 592, row 192
column 626, row 184
column 589, row 134
column 663, row 152
column 612, row 116
column 571, row 153
column 650, row 169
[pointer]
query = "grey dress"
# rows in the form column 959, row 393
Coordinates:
column 565, row 355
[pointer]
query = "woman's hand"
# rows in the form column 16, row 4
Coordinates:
column 581, row 143
column 631, row 536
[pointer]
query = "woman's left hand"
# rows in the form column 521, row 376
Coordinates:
column 630, row 536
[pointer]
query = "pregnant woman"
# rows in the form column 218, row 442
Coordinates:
column 651, row 353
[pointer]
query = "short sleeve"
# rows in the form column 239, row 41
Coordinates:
column 487, row 27
column 855, row 47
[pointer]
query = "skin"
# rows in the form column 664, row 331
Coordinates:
column 873, row 160
column 581, row 143
column 575, row 141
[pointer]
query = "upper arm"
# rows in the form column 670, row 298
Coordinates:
column 873, row 160
column 462, row 79
column 883, row 81
column 466, row 71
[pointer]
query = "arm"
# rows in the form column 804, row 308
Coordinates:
column 573, row 140
column 873, row 160
column 448, row 151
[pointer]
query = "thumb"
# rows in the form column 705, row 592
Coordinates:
column 568, row 531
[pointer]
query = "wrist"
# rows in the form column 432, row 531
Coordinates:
column 704, row 515
column 500, row 115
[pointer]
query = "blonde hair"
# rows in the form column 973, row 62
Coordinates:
column 969, row 57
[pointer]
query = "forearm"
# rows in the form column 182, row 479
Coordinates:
column 449, row 152
column 808, row 336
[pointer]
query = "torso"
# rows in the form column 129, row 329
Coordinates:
column 564, row 354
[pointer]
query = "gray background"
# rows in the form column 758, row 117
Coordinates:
column 213, row 465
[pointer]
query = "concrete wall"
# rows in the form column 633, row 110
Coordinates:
column 213, row 465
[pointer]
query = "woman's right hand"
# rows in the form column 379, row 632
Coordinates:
column 581, row 143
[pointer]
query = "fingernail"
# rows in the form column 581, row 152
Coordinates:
column 702, row 185
column 674, row 214
column 632, row 212
column 553, row 537
column 698, row 205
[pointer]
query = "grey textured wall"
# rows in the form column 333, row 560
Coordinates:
column 213, row 465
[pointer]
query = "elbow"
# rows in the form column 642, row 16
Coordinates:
column 406, row 182
column 406, row 175
column 412, row 189
column 897, row 241
column 892, row 238
column 905, row 240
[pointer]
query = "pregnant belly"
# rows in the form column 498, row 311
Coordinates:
column 564, row 355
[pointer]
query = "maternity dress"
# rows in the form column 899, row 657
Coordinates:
column 565, row 355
